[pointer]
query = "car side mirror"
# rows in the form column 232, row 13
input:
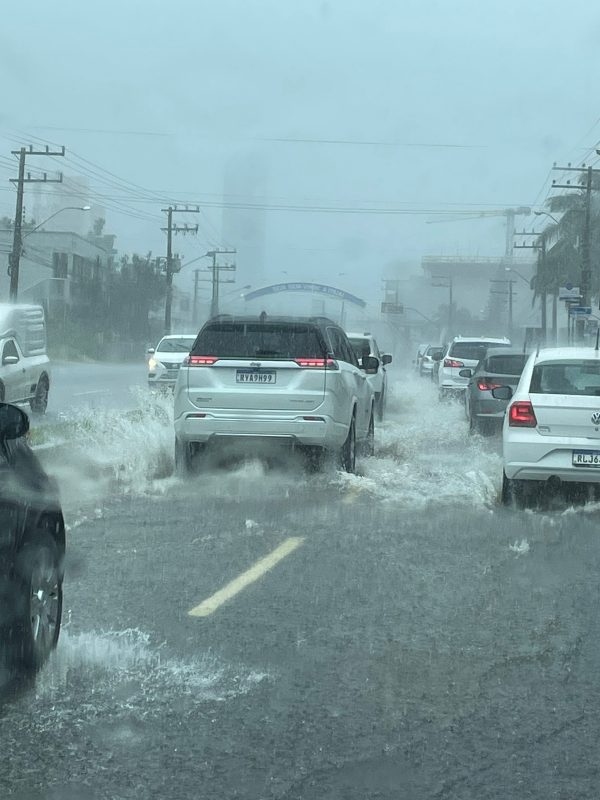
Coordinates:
column 10, row 360
column 370, row 364
column 151, row 351
column 386, row 359
column 437, row 356
column 502, row 393
column 466, row 373
column 14, row 422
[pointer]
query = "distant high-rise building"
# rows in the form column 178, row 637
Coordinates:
column 245, row 183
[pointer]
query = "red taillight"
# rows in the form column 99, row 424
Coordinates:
column 521, row 415
column 486, row 386
column 316, row 363
column 450, row 362
column 200, row 361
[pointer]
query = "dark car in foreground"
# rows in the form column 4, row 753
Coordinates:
column 499, row 367
column 32, row 548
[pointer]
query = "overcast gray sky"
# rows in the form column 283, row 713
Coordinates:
column 166, row 94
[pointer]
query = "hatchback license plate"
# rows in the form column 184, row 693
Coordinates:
column 256, row 376
column 586, row 458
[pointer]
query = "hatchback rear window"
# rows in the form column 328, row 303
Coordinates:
column 258, row 340
column 506, row 365
column 566, row 377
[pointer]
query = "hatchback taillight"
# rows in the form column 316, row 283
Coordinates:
column 522, row 415
column 450, row 362
column 316, row 363
column 200, row 361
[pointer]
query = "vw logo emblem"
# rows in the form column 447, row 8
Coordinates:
column 596, row 417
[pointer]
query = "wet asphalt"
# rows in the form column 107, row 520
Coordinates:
column 401, row 650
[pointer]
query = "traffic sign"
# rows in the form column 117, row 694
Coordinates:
column 580, row 311
column 392, row 308
column 569, row 292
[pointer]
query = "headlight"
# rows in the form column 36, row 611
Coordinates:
column 152, row 363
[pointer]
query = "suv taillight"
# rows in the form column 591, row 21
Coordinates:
column 316, row 363
column 200, row 361
column 521, row 415
column 450, row 362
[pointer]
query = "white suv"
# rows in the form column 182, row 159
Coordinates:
column 551, row 429
column 273, row 380
column 463, row 353
column 364, row 344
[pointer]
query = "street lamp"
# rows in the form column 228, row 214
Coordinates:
column 15, row 257
column 546, row 214
column 60, row 210
column 512, row 269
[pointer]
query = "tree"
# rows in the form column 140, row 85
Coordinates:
column 98, row 226
column 562, row 240
column 137, row 286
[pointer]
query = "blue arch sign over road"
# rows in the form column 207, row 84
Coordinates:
column 311, row 288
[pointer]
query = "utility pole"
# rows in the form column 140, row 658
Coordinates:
column 510, row 293
column 448, row 286
column 541, row 270
column 14, row 258
column 170, row 230
column 195, row 306
column 586, row 264
column 216, row 269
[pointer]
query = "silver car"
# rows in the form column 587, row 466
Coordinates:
column 498, row 368
column 165, row 360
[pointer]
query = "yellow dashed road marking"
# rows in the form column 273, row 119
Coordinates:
column 215, row 601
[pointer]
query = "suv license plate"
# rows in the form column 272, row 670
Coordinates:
column 262, row 376
column 586, row 458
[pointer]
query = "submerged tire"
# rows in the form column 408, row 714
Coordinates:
column 183, row 458
column 39, row 403
column 368, row 448
column 380, row 405
column 348, row 451
column 514, row 493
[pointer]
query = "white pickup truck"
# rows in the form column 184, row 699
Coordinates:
column 24, row 362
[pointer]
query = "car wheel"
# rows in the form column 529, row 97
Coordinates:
column 473, row 425
column 183, row 458
column 37, row 603
column 39, row 403
column 369, row 443
column 348, row 451
column 380, row 405
column 513, row 493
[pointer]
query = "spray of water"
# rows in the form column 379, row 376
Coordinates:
column 426, row 455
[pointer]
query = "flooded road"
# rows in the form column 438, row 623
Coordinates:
column 391, row 634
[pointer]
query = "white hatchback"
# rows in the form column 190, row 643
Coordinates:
column 252, row 383
column 551, row 431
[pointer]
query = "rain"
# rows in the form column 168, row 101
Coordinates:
column 299, row 437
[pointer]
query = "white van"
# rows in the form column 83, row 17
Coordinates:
column 24, row 362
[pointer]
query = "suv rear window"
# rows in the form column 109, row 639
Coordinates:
column 506, row 365
column 361, row 347
column 469, row 350
column 259, row 340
